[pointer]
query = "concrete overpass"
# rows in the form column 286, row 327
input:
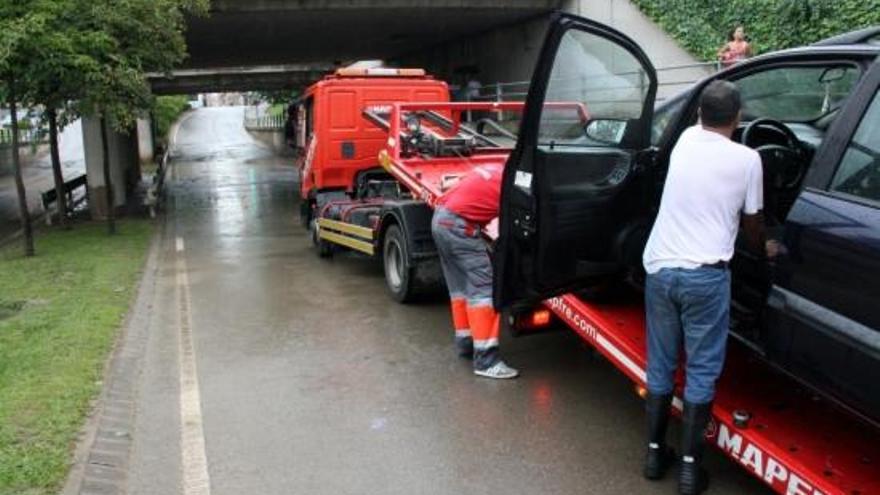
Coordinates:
column 273, row 44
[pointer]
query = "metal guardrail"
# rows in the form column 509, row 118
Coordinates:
column 72, row 199
column 517, row 90
column 26, row 137
column 256, row 120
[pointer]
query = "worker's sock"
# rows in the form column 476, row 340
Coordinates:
column 484, row 321
column 486, row 358
column 464, row 346
column 693, row 479
column 659, row 456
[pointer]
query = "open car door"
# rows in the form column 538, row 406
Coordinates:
column 575, row 186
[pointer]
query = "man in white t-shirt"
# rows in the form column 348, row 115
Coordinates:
column 713, row 184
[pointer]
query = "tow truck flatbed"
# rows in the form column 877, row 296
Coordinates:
column 766, row 422
column 794, row 442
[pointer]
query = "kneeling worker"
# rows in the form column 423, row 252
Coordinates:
column 462, row 214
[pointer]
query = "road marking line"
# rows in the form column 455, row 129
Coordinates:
column 195, row 479
column 178, row 244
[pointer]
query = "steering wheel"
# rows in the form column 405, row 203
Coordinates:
column 784, row 165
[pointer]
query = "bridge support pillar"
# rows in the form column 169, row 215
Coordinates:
column 145, row 142
column 124, row 165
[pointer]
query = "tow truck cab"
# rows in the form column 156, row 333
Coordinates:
column 578, row 199
column 335, row 143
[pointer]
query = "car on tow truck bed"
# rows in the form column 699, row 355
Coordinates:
column 578, row 200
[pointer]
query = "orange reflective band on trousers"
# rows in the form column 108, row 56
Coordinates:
column 460, row 317
column 485, row 325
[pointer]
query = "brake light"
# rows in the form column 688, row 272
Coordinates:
column 540, row 318
column 533, row 320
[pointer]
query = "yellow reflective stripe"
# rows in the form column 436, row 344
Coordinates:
column 362, row 246
column 347, row 228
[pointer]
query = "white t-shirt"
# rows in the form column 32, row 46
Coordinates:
column 711, row 179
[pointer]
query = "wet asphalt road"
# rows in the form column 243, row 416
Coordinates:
column 313, row 381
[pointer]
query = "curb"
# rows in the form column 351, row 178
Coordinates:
column 101, row 458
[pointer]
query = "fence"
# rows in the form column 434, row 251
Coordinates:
column 672, row 80
column 26, row 137
column 257, row 119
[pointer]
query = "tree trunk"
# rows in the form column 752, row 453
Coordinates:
column 61, row 200
column 19, row 182
column 108, row 183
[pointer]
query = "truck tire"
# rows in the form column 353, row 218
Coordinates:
column 322, row 247
column 399, row 277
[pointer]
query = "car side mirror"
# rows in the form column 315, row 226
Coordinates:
column 606, row 131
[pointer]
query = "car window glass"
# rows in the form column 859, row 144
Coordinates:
column 596, row 88
column 796, row 94
column 663, row 115
column 859, row 170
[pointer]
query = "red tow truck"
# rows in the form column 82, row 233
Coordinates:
column 583, row 136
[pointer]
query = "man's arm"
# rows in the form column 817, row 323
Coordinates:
column 756, row 234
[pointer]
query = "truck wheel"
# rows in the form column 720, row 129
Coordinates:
column 322, row 247
column 398, row 276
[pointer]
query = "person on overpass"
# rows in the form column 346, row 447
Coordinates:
column 712, row 185
column 459, row 220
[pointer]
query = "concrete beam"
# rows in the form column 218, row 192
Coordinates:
column 218, row 80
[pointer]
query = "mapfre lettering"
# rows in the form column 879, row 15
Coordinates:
column 574, row 319
column 769, row 469
column 379, row 108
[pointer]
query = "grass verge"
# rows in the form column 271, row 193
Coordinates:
column 59, row 315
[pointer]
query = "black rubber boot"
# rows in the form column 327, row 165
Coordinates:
column 692, row 478
column 659, row 456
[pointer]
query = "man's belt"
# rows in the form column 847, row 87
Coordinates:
column 718, row 265
column 471, row 229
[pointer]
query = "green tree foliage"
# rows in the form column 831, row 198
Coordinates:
column 58, row 64
column 18, row 28
column 141, row 36
column 702, row 26
column 165, row 111
column 90, row 57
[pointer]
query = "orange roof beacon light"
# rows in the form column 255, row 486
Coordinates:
column 379, row 72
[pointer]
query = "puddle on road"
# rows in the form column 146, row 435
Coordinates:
column 8, row 309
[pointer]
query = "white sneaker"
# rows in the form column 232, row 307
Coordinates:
column 499, row 371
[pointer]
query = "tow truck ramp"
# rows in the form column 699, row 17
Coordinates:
column 769, row 425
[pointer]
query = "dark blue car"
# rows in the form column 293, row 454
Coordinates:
column 579, row 198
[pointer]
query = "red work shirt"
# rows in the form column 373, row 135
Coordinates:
column 477, row 196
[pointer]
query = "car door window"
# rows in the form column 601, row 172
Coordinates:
column 859, row 171
column 796, row 93
column 595, row 91
column 663, row 116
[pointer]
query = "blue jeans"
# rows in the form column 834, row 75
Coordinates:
column 690, row 307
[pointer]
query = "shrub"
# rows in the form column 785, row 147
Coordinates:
column 702, row 26
column 166, row 109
